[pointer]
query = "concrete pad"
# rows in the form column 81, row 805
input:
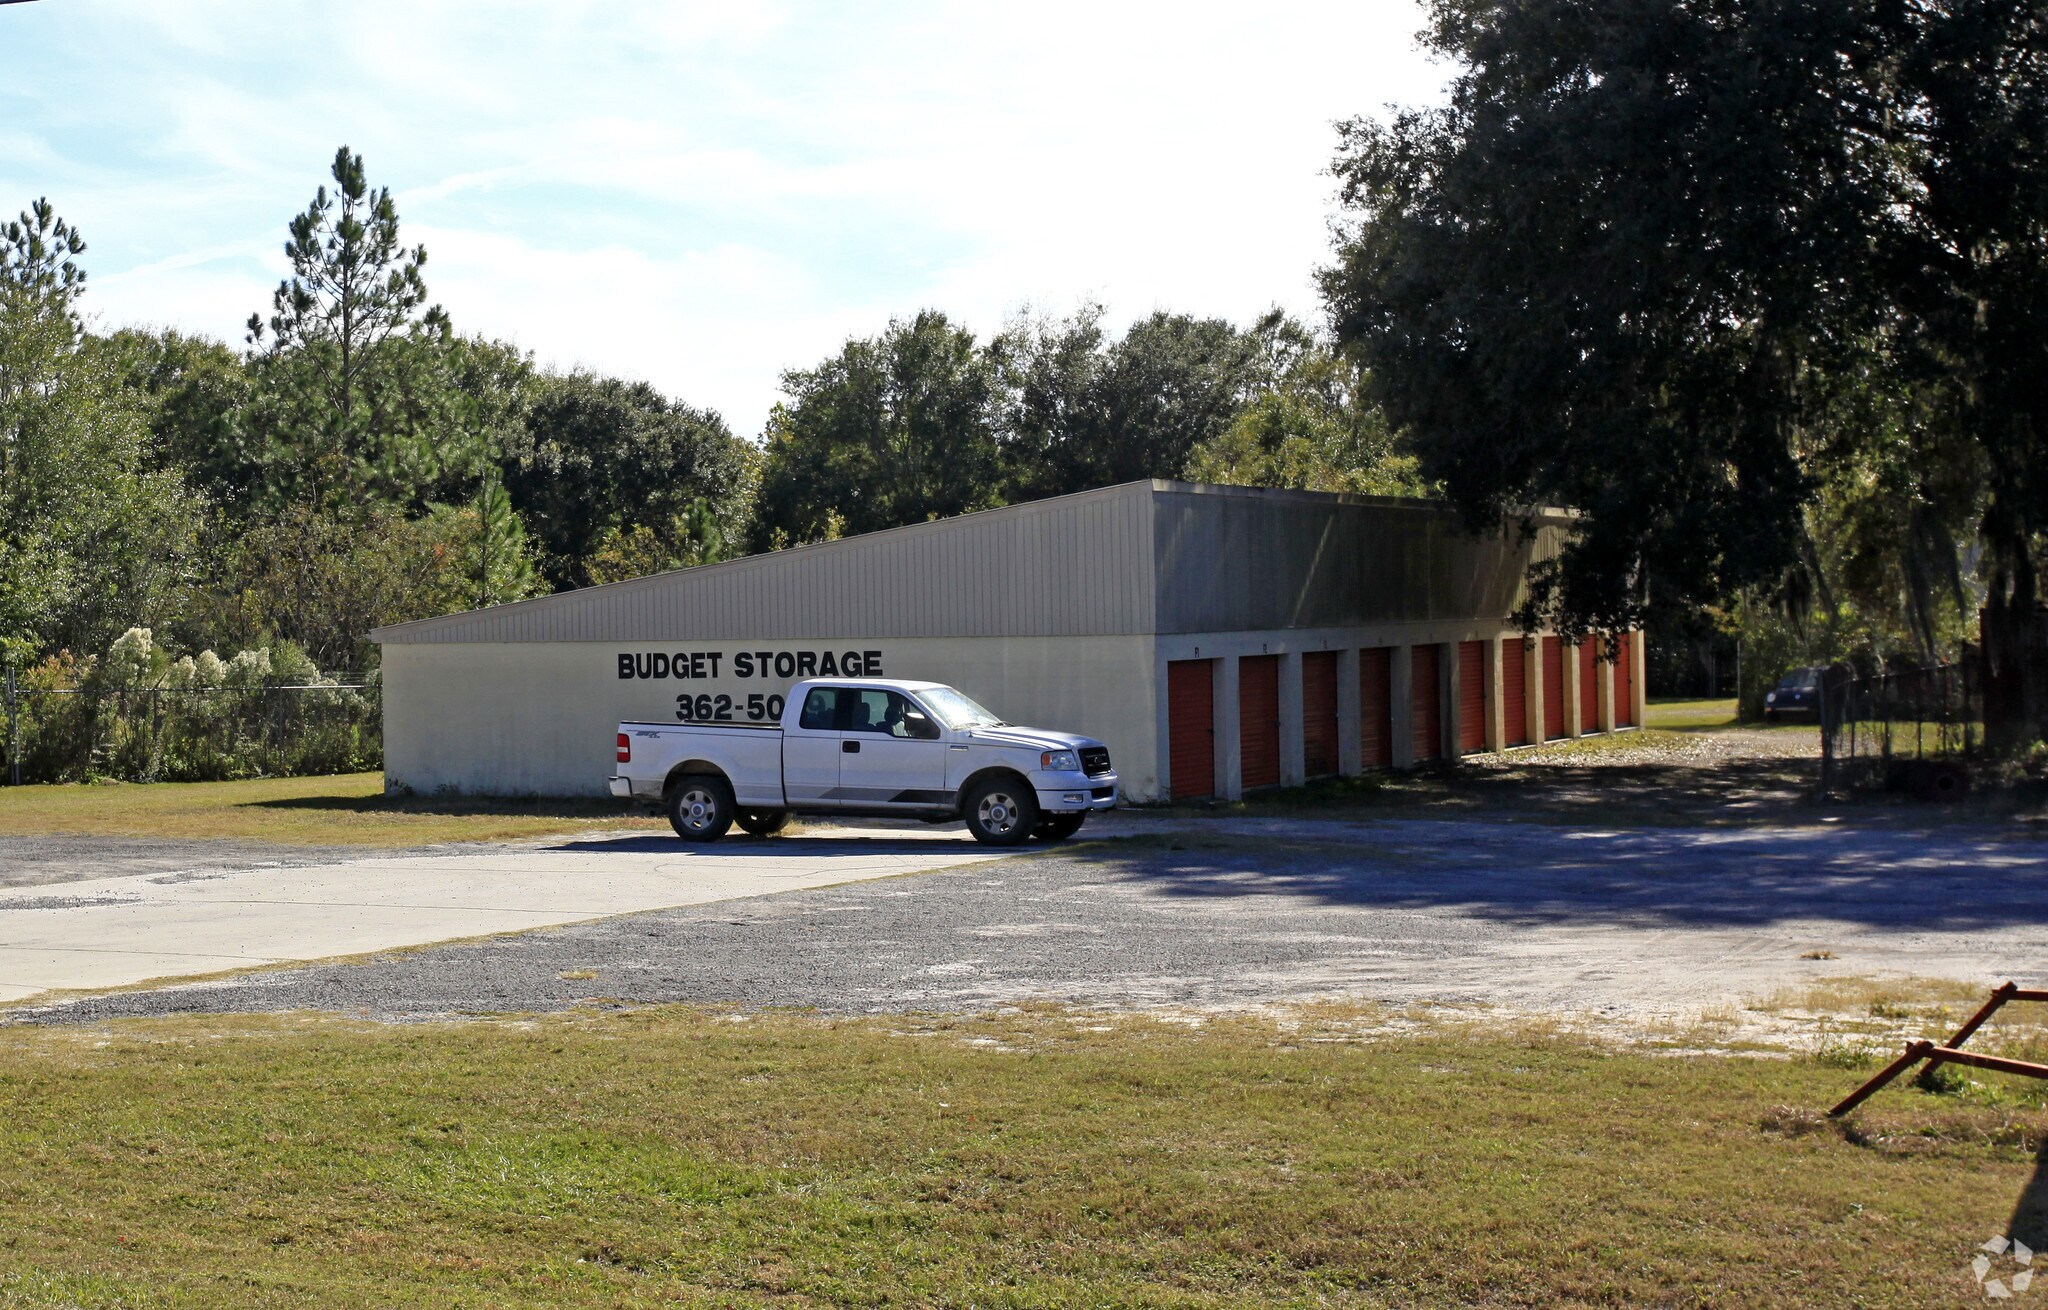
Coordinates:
column 111, row 932
column 30, row 971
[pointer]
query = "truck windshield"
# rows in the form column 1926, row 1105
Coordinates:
column 955, row 710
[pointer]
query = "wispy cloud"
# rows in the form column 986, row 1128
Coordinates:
column 705, row 194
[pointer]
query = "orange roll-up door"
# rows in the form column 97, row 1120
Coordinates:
column 1319, row 712
column 1258, row 720
column 1514, row 691
column 1553, row 688
column 1191, row 727
column 1425, row 703
column 1471, row 697
column 1376, row 707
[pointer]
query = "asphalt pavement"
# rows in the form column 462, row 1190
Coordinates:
column 1204, row 913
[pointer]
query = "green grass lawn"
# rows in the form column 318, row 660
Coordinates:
column 1049, row 1158
column 1692, row 715
column 350, row 810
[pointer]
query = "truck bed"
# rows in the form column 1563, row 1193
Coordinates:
column 751, row 754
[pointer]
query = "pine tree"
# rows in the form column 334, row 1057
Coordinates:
column 349, row 362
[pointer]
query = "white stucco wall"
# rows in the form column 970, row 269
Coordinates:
column 538, row 718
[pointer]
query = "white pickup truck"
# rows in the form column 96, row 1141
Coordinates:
column 868, row 746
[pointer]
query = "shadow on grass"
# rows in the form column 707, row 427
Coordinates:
column 2029, row 1222
column 539, row 807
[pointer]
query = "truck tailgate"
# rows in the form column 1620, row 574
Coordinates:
column 749, row 756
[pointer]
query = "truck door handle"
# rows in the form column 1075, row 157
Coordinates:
column 850, row 747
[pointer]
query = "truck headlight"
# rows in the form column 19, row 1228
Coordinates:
column 1060, row 762
column 1770, row 698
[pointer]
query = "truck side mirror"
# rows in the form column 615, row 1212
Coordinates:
column 919, row 727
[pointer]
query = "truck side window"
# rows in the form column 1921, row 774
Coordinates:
column 821, row 710
column 871, row 711
column 891, row 714
column 917, row 725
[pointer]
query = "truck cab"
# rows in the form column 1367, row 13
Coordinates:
column 867, row 746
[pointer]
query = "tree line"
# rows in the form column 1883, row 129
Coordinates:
column 1757, row 287
column 1760, row 287
column 358, row 461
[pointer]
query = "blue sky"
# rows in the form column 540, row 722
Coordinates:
column 702, row 195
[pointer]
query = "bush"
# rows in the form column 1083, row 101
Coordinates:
column 141, row 715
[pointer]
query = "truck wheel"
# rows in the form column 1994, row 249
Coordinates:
column 700, row 808
column 762, row 823
column 1001, row 811
column 1058, row 827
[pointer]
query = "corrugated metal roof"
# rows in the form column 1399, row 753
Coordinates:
column 1138, row 558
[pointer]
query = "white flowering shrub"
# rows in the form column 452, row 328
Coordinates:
column 129, row 659
column 146, row 714
column 249, row 668
column 208, row 672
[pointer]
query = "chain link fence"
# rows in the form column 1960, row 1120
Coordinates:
column 84, row 732
column 1915, row 730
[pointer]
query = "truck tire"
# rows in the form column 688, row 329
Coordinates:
column 1001, row 811
column 700, row 807
column 1059, row 827
column 762, row 823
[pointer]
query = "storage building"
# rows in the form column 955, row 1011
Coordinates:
column 1219, row 639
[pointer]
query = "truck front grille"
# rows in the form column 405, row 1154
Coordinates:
column 1094, row 761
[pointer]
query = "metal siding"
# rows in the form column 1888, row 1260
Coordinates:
column 1242, row 560
column 1140, row 558
column 1073, row 566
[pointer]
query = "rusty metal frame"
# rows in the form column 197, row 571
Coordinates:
column 1949, row 1052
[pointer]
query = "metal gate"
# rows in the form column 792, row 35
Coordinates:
column 1191, row 728
column 1514, row 691
column 1376, row 707
column 1425, row 703
column 1471, row 697
column 1258, row 720
column 1552, row 653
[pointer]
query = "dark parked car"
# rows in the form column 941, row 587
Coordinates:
column 1797, row 695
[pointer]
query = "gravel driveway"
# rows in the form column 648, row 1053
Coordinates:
column 1639, row 921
